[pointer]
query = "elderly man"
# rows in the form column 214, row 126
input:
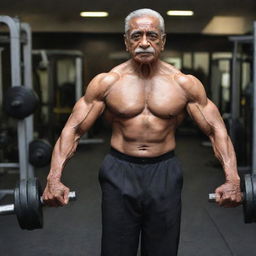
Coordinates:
column 141, row 180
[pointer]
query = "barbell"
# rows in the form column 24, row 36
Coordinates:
column 248, row 198
column 28, row 204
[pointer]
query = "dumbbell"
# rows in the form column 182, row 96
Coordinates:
column 28, row 204
column 248, row 197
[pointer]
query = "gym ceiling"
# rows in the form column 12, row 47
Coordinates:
column 210, row 16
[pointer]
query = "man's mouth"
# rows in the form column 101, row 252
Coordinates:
column 146, row 53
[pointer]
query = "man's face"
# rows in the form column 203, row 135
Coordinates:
column 144, row 40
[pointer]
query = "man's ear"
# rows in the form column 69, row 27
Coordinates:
column 126, row 42
column 163, row 41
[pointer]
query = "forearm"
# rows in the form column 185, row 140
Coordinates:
column 64, row 149
column 224, row 151
column 209, row 120
column 206, row 115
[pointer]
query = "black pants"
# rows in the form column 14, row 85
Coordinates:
column 140, row 196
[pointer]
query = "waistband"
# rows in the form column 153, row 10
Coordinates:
column 141, row 160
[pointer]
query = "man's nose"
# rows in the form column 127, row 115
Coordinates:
column 144, row 42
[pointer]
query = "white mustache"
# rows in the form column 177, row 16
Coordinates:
column 148, row 50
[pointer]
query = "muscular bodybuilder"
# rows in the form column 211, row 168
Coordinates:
column 145, row 100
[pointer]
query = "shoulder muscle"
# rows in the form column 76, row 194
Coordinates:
column 192, row 87
column 100, row 84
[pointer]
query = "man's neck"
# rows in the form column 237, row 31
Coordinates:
column 146, row 70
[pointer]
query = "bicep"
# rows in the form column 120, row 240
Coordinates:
column 84, row 115
column 202, row 110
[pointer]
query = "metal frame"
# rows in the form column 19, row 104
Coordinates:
column 20, row 35
column 1, row 96
column 235, row 78
column 1, row 78
column 46, row 56
column 64, row 53
column 251, row 39
column 254, row 101
column 28, row 82
column 79, row 84
column 216, row 97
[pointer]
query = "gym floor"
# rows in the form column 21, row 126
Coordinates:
column 207, row 230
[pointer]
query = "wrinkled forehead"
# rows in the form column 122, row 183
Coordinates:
column 144, row 23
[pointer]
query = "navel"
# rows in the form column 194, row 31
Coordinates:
column 143, row 147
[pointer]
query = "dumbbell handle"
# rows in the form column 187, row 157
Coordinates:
column 8, row 209
column 71, row 196
column 212, row 197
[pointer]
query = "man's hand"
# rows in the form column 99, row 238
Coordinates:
column 229, row 194
column 55, row 193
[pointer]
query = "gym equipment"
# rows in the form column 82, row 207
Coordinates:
column 20, row 102
column 249, row 198
column 249, row 184
column 19, row 40
column 28, row 204
column 244, row 55
column 56, row 114
column 56, row 109
column 40, row 152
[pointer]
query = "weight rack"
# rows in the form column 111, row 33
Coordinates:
column 20, row 41
column 235, row 92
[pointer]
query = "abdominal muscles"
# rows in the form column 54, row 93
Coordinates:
column 144, row 135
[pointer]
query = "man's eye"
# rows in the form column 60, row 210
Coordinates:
column 153, row 36
column 136, row 36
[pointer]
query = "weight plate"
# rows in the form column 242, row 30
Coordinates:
column 253, row 177
column 20, row 101
column 40, row 152
column 34, row 203
column 24, row 216
column 248, row 205
column 17, row 206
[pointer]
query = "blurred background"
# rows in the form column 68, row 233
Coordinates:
column 213, row 40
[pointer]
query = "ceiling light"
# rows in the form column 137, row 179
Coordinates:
column 180, row 13
column 94, row 14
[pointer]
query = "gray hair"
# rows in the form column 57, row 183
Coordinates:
column 144, row 12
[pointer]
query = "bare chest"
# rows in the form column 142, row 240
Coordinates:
column 129, row 98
